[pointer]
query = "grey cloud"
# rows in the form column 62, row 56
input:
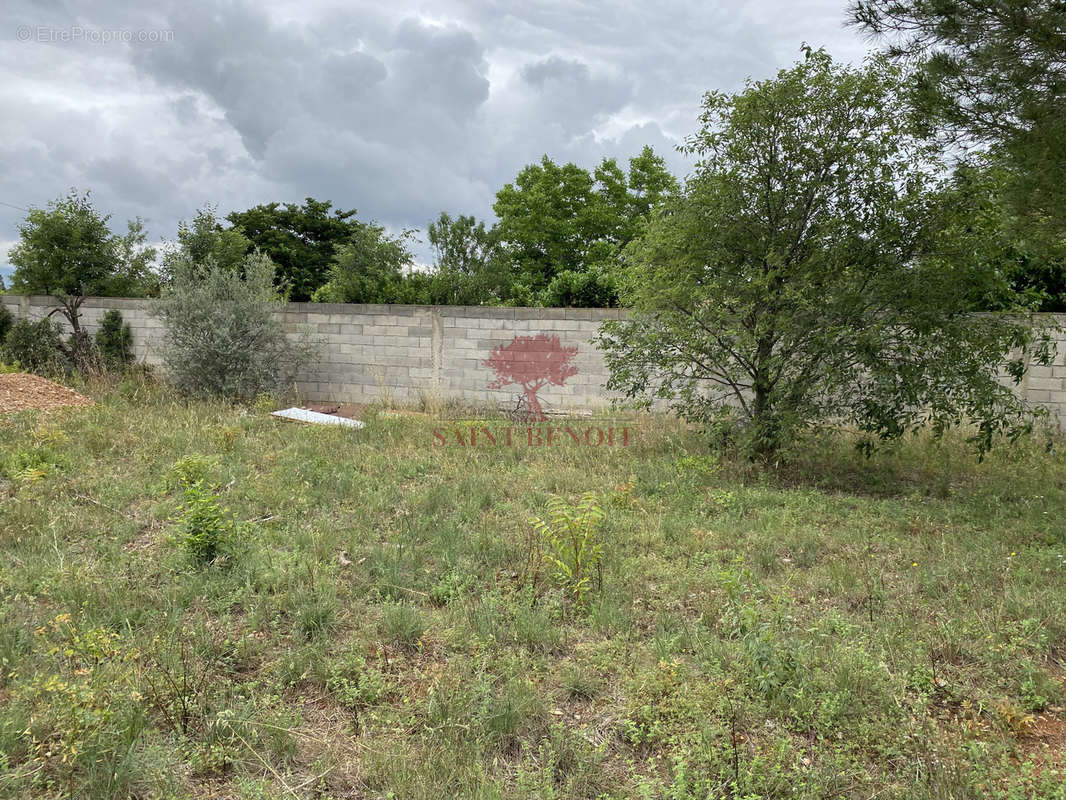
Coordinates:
column 399, row 110
column 352, row 74
column 442, row 66
column 571, row 95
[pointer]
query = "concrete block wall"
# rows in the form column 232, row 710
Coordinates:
column 371, row 353
column 1046, row 386
column 409, row 353
column 147, row 330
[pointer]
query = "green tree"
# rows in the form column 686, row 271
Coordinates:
column 301, row 239
column 561, row 221
column 368, row 268
column 206, row 240
column 7, row 319
column 472, row 266
column 114, row 339
column 462, row 244
column 67, row 250
column 1024, row 263
column 994, row 72
column 801, row 276
column 650, row 184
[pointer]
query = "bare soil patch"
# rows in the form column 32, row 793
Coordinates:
column 20, row 391
column 346, row 410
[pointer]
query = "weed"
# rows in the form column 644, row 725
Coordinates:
column 578, row 681
column 316, row 616
column 572, row 534
column 205, row 530
column 190, row 469
column 402, row 625
column 355, row 684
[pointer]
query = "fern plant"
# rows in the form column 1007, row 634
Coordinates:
column 572, row 534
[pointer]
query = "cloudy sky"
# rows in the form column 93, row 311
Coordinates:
column 398, row 109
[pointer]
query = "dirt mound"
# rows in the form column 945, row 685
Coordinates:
column 20, row 391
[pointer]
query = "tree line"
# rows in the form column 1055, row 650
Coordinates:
column 558, row 237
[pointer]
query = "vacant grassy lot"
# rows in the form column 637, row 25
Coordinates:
column 196, row 600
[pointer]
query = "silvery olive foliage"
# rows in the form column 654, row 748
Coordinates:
column 222, row 336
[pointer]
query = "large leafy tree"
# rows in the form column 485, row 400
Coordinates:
column 68, row 250
column 472, row 265
column 203, row 242
column 462, row 243
column 563, row 222
column 369, row 267
column 993, row 71
column 801, row 276
column 300, row 239
column 1022, row 263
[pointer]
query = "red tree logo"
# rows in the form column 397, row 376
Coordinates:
column 532, row 362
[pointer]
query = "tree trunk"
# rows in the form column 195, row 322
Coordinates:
column 765, row 430
column 80, row 351
column 534, row 411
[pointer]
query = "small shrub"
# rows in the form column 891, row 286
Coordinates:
column 7, row 319
column 35, row 346
column 354, row 683
column 572, row 533
column 181, row 681
column 114, row 340
column 222, row 338
column 205, row 529
column 190, row 469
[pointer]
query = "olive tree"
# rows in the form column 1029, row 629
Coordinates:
column 801, row 277
column 221, row 336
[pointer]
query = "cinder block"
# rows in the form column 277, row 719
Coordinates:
column 346, row 338
column 1047, row 384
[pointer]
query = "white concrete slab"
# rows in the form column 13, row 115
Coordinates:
column 303, row 415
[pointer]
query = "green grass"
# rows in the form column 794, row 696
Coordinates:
column 362, row 614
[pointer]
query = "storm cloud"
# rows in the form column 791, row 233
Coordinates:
column 399, row 110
